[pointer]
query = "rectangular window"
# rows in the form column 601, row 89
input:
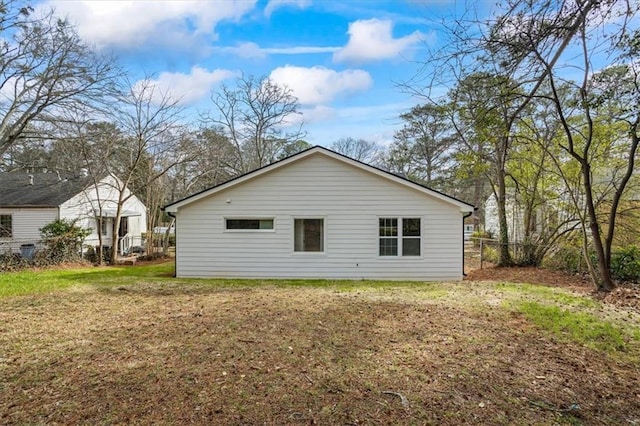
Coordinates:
column 308, row 235
column 6, row 226
column 388, row 237
column 248, row 224
column 404, row 240
column 411, row 237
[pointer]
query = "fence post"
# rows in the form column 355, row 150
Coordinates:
column 481, row 251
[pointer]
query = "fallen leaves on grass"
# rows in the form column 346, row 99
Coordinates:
column 154, row 354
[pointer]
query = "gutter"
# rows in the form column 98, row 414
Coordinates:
column 463, row 218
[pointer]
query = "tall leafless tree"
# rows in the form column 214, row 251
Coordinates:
column 260, row 118
column 359, row 149
column 44, row 68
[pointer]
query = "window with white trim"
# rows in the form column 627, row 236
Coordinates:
column 308, row 235
column 399, row 236
column 6, row 226
column 250, row 224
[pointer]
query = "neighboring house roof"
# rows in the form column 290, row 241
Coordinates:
column 318, row 150
column 19, row 189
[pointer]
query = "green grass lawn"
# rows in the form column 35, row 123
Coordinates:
column 48, row 280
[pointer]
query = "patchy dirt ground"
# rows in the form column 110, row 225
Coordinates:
column 623, row 296
column 529, row 275
column 174, row 354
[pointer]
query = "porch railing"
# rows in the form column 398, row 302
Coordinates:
column 125, row 244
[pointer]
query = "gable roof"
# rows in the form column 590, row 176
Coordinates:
column 317, row 150
column 47, row 190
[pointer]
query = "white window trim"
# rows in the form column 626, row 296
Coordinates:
column 324, row 236
column 244, row 231
column 400, row 236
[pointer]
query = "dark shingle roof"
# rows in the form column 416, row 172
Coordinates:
column 48, row 190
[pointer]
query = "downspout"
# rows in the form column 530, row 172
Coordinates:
column 463, row 218
column 175, row 259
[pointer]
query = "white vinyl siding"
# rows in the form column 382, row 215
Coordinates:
column 350, row 201
column 26, row 224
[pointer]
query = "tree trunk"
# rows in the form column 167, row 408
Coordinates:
column 99, row 250
column 504, row 258
column 114, row 237
column 605, row 282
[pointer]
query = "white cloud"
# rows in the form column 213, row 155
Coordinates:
column 277, row 4
column 318, row 113
column 372, row 40
column 250, row 50
column 188, row 88
column 247, row 50
column 299, row 50
column 319, row 85
column 131, row 23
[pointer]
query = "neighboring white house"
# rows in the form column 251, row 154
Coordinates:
column 319, row 214
column 545, row 218
column 30, row 201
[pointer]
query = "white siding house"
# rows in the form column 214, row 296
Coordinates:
column 28, row 202
column 319, row 214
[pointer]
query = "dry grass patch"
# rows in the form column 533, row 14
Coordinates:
column 167, row 353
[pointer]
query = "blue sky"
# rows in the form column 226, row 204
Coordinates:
column 341, row 58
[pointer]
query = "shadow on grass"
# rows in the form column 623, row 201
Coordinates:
column 163, row 286
column 158, row 279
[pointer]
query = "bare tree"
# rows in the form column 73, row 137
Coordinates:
column 359, row 149
column 137, row 150
column 44, row 68
column 259, row 118
column 207, row 169
column 152, row 122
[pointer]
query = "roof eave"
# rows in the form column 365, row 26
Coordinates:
column 29, row 206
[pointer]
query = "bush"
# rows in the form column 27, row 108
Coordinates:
column 63, row 240
column 91, row 254
column 490, row 254
column 569, row 257
column 625, row 264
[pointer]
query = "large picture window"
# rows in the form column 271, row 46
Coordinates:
column 308, row 235
column 248, row 224
column 6, row 226
column 399, row 236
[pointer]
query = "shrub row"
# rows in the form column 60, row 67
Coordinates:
column 625, row 262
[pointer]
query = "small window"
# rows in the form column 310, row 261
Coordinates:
column 6, row 226
column 248, row 224
column 308, row 235
column 404, row 240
